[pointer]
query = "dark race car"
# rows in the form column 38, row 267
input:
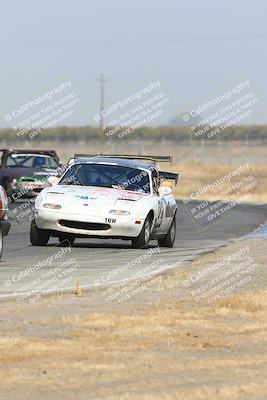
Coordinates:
column 24, row 173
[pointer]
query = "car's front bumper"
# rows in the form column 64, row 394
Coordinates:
column 81, row 225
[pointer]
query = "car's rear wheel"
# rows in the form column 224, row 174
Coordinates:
column 143, row 239
column 1, row 241
column 66, row 240
column 38, row 237
column 169, row 239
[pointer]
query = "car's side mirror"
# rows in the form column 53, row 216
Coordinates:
column 164, row 190
column 53, row 180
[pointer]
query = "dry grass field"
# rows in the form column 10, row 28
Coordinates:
column 194, row 176
column 156, row 346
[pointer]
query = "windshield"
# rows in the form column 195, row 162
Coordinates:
column 106, row 175
column 31, row 161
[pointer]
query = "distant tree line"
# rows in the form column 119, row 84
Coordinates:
column 234, row 133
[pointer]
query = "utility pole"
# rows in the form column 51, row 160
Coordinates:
column 102, row 99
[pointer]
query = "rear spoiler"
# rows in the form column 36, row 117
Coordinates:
column 152, row 158
column 169, row 176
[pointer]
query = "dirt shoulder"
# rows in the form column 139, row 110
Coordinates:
column 198, row 332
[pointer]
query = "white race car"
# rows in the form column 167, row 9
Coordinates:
column 119, row 197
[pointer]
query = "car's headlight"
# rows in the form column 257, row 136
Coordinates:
column 119, row 212
column 52, row 205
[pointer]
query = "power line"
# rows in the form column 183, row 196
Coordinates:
column 173, row 41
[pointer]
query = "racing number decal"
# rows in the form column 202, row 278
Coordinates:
column 165, row 209
column 160, row 212
column 111, row 220
column 170, row 208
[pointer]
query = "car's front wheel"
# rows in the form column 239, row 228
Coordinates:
column 38, row 237
column 169, row 239
column 143, row 239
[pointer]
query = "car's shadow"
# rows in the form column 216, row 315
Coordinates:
column 93, row 245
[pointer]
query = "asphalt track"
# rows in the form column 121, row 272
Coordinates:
column 104, row 262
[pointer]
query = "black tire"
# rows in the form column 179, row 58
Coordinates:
column 143, row 239
column 38, row 237
column 66, row 240
column 169, row 239
column 1, row 241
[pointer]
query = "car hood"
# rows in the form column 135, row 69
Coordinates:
column 76, row 198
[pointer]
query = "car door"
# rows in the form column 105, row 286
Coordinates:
column 169, row 210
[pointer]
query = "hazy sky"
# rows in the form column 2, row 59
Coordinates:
column 196, row 49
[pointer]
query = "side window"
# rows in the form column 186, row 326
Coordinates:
column 49, row 162
column 155, row 181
